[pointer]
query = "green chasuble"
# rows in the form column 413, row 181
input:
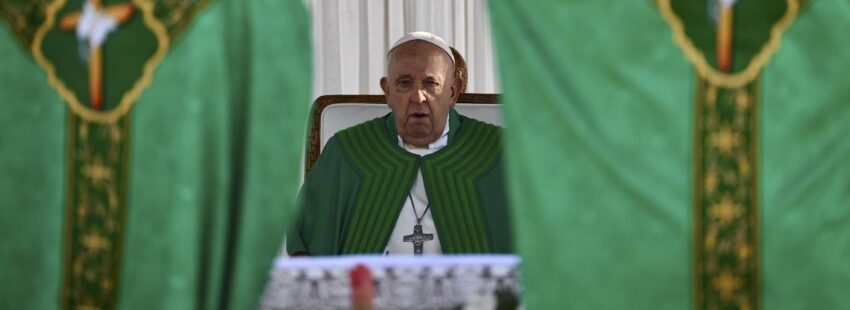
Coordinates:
column 354, row 194
column 660, row 182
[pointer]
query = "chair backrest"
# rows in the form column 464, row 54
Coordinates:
column 333, row 113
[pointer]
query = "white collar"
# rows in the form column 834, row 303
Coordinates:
column 433, row 146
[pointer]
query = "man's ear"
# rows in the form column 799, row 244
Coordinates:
column 385, row 86
column 457, row 85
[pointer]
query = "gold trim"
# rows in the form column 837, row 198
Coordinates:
column 756, row 208
column 69, row 209
column 697, row 213
column 705, row 70
column 130, row 97
column 121, row 217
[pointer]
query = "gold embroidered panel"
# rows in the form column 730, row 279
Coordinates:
column 95, row 212
column 726, row 220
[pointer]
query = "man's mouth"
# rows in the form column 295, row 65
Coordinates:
column 419, row 115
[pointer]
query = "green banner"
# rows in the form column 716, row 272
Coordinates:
column 165, row 167
column 642, row 176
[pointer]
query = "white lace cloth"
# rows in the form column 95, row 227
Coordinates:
column 430, row 282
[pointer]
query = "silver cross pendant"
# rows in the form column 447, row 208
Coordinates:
column 418, row 238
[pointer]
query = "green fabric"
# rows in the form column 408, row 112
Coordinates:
column 357, row 187
column 214, row 164
column 323, row 229
column 600, row 144
column 386, row 174
column 455, row 198
column 598, row 109
column 805, row 167
column 32, row 181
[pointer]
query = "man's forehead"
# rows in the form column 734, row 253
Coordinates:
column 408, row 56
column 407, row 72
column 426, row 75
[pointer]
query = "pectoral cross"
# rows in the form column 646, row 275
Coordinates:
column 418, row 238
column 121, row 13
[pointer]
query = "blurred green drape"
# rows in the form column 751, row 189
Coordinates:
column 215, row 157
column 599, row 106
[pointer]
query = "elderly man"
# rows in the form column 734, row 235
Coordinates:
column 420, row 180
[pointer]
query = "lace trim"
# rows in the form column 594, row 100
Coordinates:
column 443, row 282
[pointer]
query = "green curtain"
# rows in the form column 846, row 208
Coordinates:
column 599, row 106
column 215, row 150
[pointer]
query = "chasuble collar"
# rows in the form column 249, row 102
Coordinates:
column 386, row 173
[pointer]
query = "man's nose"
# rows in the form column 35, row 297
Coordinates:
column 418, row 96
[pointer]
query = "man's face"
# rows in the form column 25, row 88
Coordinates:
column 420, row 89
